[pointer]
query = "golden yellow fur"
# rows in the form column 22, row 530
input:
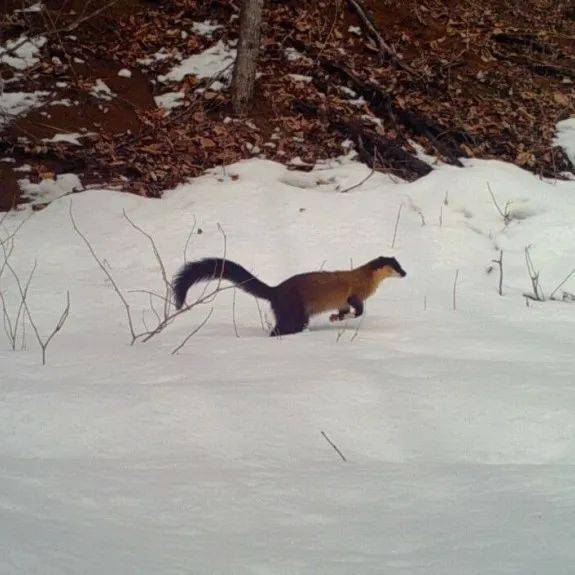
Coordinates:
column 326, row 291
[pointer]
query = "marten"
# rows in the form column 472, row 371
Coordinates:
column 296, row 299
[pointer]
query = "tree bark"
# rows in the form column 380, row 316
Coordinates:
column 246, row 60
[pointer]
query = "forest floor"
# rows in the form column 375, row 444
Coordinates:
column 135, row 94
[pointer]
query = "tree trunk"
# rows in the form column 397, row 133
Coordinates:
column 246, row 59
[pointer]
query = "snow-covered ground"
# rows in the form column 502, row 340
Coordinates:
column 458, row 425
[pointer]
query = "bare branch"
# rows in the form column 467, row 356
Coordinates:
column 455, row 290
column 372, row 171
column 562, row 283
column 503, row 213
column 108, row 275
column 204, row 322
column 58, row 327
column 396, row 224
column 534, row 277
column 160, row 263
column 499, row 262
column 334, row 446
column 234, row 314
column 384, row 47
column 188, row 239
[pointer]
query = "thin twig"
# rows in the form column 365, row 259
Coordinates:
column 58, row 327
column 175, row 350
column 234, row 314
column 371, row 172
column 566, row 278
column 499, row 262
column 503, row 213
column 261, row 315
column 334, row 446
column 455, row 290
column 188, row 239
column 384, row 47
column 534, row 277
column 108, row 275
column 396, row 224
column 159, row 260
column 359, row 324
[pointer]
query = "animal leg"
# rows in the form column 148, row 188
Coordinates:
column 342, row 314
column 290, row 317
column 357, row 305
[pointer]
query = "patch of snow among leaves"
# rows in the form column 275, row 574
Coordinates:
column 49, row 189
column 294, row 55
column 13, row 104
column 102, row 91
column 36, row 7
column 70, row 137
column 170, row 100
column 21, row 53
column 206, row 28
column 208, row 64
column 300, row 78
column 159, row 56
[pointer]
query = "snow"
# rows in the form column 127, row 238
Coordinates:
column 69, row 137
column 124, row 73
column 159, row 56
column 102, row 91
column 457, row 425
column 300, row 78
column 170, row 100
column 566, row 137
column 50, row 189
column 207, row 64
column 36, row 7
column 13, row 104
column 293, row 55
column 21, row 53
column 206, row 28
column 66, row 102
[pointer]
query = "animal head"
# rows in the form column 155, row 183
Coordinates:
column 383, row 267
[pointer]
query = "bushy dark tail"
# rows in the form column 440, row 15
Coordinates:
column 216, row 268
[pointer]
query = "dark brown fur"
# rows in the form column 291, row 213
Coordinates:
column 299, row 297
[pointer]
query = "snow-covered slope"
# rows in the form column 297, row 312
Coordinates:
column 457, row 424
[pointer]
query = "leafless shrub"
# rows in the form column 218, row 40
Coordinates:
column 504, row 213
column 108, row 275
column 12, row 324
column 13, row 321
column 206, row 297
column 44, row 343
column 168, row 314
column 537, row 294
column 167, row 284
column 566, row 296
